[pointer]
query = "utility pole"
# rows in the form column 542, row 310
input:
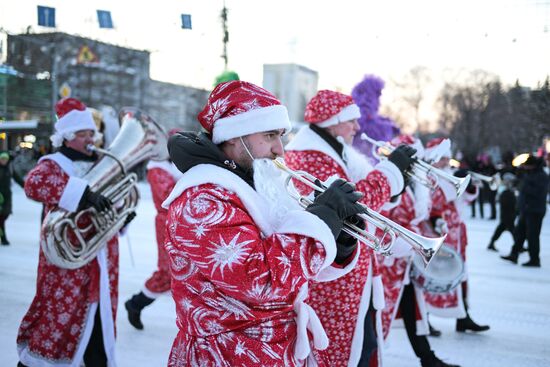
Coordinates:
column 223, row 17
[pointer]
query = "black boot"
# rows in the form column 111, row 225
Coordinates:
column 433, row 331
column 134, row 306
column 532, row 264
column 3, row 239
column 462, row 325
column 513, row 257
column 433, row 361
column 492, row 247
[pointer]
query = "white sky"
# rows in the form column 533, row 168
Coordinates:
column 342, row 40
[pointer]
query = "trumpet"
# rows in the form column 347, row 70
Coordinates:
column 426, row 247
column 422, row 172
column 493, row 181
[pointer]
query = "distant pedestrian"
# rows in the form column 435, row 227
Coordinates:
column 507, row 202
column 6, row 174
column 532, row 208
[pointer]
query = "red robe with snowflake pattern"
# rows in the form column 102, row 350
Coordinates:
column 240, row 277
column 162, row 177
column 343, row 303
column 444, row 205
column 56, row 328
column 395, row 269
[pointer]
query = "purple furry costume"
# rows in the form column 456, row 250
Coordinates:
column 366, row 95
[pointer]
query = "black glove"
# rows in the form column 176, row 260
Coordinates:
column 95, row 200
column 345, row 243
column 129, row 218
column 402, row 157
column 338, row 202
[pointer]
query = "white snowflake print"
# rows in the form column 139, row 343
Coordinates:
column 55, row 180
column 240, row 349
column 230, row 307
column 199, row 231
column 63, row 318
column 226, row 254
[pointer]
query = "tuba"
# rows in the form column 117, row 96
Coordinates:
column 73, row 239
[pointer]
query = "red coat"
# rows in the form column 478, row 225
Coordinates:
column 343, row 303
column 239, row 276
column 56, row 328
column 395, row 270
column 444, row 205
column 162, row 177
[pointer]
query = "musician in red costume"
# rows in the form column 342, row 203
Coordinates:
column 72, row 317
column 403, row 298
column 242, row 252
column 162, row 177
column 445, row 219
column 347, row 306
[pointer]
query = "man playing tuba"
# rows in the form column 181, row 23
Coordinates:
column 71, row 318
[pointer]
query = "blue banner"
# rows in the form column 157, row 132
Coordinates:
column 104, row 19
column 46, row 16
column 186, row 21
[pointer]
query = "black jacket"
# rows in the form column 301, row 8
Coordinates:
column 507, row 202
column 533, row 191
column 188, row 150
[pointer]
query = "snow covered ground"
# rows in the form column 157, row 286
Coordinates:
column 513, row 300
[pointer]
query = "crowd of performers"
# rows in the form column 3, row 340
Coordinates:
column 256, row 279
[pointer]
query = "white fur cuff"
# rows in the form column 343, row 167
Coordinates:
column 393, row 174
column 72, row 193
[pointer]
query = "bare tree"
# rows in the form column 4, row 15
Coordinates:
column 411, row 94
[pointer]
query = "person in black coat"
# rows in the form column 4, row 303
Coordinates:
column 507, row 201
column 6, row 174
column 532, row 208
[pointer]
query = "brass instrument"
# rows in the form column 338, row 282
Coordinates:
column 67, row 243
column 424, row 246
column 423, row 172
column 493, row 181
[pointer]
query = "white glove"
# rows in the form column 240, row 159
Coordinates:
column 441, row 226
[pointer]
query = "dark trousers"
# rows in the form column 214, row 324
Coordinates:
column 490, row 196
column 473, row 206
column 94, row 356
column 528, row 227
column 369, row 339
column 419, row 343
column 499, row 230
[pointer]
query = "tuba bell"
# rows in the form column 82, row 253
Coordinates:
column 73, row 239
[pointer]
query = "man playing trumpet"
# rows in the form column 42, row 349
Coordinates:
column 401, row 295
column 346, row 306
column 445, row 219
column 242, row 253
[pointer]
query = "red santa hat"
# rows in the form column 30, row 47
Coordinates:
column 328, row 108
column 411, row 141
column 238, row 108
column 72, row 116
column 438, row 148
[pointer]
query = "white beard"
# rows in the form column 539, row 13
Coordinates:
column 269, row 182
column 357, row 164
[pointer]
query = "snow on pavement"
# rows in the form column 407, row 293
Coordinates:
column 513, row 300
